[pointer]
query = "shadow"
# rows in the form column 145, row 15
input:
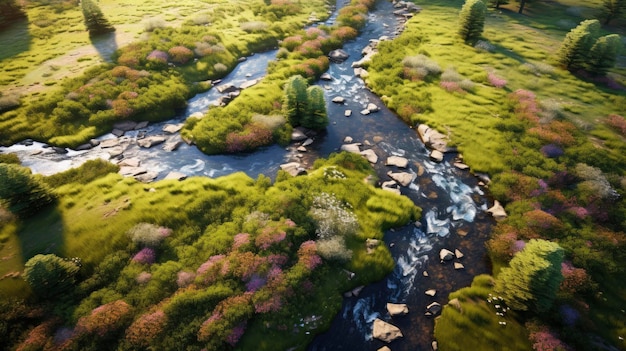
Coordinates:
column 42, row 233
column 14, row 39
column 105, row 44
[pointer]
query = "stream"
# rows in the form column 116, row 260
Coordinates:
column 453, row 203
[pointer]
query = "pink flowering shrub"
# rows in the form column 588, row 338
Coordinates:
column 143, row 278
column 345, row 33
column 38, row 337
column 526, row 106
column 158, row 56
column 240, row 240
column 307, row 255
column 496, row 81
column 543, row 339
column 233, row 338
column 291, row 43
column 145, row 256
column 575, row 280
column 180, row 54
column 146, row 328
column 269, row 236
column 617, row 122
column 451, row 87
column 252, row 137
column 184, row 278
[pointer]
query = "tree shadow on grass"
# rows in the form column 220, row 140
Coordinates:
column 105, row 44
column 14, row 39
column 42, row 234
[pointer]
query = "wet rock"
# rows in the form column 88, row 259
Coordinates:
column 430, row 292
column 361, row 73
column 127, row 171
column 59, row 150
column 84, row 147
column 397, row 309
column 365, row 112
column 326, row 76
column 117, row 132
column 434, row 308
column 425, row 273
column 436, row 155
column 497, row 211
column 353, row 148
column 249, row 83
column 146, row 177
column 226, row 88
column 432, row 138
column 173, row 128
column 307, row 142
column 301, row 149
column 372, row 107
column 384, row 348
column 176, row 176
column 143, row 124
column 339, row 99
column 130, row 162
column 109, row 143
column 338, row 55
column 458, row 265
column 94, row 142
column 385, row 332
column 446, row 255
column 151, row 141
column 458, row 253
column 347, row 113
column 125, row 126
column 293, row 168
column 397, row 161
column 370, row 155
column 348, row 140
column 435, row 345
column 461, row 166
column 172, row 145
column 403, row 178
column 298, row 135
column 462, row 232
column 115, row 151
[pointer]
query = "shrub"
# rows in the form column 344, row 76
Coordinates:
column 105, row 319
column 472, row 20
column 50, row 275
column 496, row 81
column 145, row 256
column 254, row 26
column 23, row 193
column 146, row 328
column 334, row 249
column 419, row 67
column 617, row 122
column 180, row 54
column 220, row 67
column 575, row 48
column 152, row 24
column 332, row 217
column 147, row 234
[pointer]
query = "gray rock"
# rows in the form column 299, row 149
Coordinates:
column 172, row 145
column 125, row 125
column 347, row 140
column 338, row 55
column 391, row 186
column 117, row 132
column 372, row 107
column 461, row 166
column 146, row 177
column 326, row 76
column 143, row 124
column 301, row 149
column 59, row 150
column 365, row 112
column 127, row 171
column 347, row 113
column 84, row 147
column 339, row 99
column 307, row 142
column 293, row 168
column 298, row 135
column 249, row 83
column 176, row 176
column 130, row 162
column 436, row 155
column 151, row 141
column 173, row 128
column 385, row 332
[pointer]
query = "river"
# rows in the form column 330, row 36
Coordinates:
column 452, row 201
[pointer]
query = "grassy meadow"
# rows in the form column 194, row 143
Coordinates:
column 551, row 141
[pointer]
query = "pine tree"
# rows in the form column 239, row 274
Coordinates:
column 603, row 54
column 472, row 19
column 612, row 9
column 316, row 116
column 95, row 21
column 295, row 99
column 23, row 193
column 532, row 279
column 575, row 48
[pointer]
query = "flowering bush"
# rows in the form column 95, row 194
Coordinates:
column 334, row 249
column 268, row 237
column 105, row 319
column 184, row 278
column 451, row 87
column 496, row 81
column 617, row 122
column 143, row 278
column 158, row 56
column 146, row 328
column 147, row 234
column 552, row 151
column 145, row 256
column 543, row 339
column 240, row 240
column 332, row 217
column 180, row 54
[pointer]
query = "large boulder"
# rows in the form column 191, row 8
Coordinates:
column 353, row 148
column 173, row 128
column 293, row 168
column 385, row 332
column 370, row 155
column 338, row 55
column 403, row 178
column 397, row 309
column 397, row 161
column 298, row 135
column 125, row 125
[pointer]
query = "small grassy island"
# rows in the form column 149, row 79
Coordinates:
column 531, row 93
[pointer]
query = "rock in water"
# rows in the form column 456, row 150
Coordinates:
column 434, row 308
column 397, row 309
column 385, row 332
column 397, row 161
column 446, row 255
column 497, row 211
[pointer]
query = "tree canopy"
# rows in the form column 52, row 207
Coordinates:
column 533, row 277
column 50, row 275
column 472, row 19
column 23, row 193
column 95, row 21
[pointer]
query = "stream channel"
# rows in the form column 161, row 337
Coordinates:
column 452, row 201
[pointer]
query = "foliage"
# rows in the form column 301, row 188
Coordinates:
column 612, row 9
column 603, row 54
column 533, row 278
column 574, row 49
column 95, row 21
column 50, row 275
column 23, row 193
column 87, row 172
column 472, row 20
column 295, row 99
column 148, row 234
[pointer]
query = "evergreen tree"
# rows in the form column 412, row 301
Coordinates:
column 295, row 99
column 532, row 279
column 10, row 12
column 603, row 54
column 95, row 21
column 612, row 9
column 575, row 48
column 50, row 275
column 472, row 19
column 23, row 193
column 496, row 3
column 316, row 116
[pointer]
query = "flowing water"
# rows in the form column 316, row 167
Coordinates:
column 453, row 203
